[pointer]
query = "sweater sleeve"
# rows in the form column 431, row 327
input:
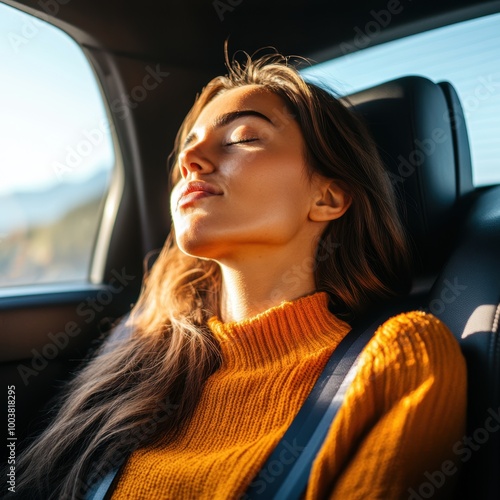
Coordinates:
column 402, row 415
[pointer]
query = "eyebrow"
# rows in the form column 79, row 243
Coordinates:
column 226, row 119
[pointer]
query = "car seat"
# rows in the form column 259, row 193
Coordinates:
column 421, row 134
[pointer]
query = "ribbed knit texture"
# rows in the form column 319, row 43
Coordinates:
column 401, row 416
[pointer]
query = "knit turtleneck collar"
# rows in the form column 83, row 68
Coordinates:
column 285, row 333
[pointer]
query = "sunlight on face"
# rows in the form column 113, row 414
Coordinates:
column 244, row 180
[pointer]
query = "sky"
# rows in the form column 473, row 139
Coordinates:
column 465, row 54
column 52, row 120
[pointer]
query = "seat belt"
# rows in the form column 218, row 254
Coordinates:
column 309, row 428
column 103, row 490
column 287, row 480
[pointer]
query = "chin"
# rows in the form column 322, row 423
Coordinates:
column 196, row 248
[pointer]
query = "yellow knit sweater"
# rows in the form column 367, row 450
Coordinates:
column 400, row 419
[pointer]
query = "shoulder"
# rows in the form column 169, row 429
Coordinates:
column 412, row 334
column 409, row 348
column 402, row 413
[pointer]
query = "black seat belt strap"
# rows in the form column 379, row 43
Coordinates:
column 281, row 479
column 103, row 490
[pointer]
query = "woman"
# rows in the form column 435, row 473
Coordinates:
column 285, row 230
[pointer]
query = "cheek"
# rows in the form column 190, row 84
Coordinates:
column 283, row 183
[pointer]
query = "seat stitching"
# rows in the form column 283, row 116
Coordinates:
column 496, row 320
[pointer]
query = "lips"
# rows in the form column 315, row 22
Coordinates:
column 196, row 190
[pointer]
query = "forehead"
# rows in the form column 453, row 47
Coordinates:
column 249, row 97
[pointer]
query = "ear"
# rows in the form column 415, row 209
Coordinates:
column 331, row 201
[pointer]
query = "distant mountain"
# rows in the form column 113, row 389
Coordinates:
column 27, row 209
column 54, row 252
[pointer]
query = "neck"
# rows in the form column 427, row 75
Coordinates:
column 257, row 285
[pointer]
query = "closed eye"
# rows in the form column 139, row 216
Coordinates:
column 241, row 141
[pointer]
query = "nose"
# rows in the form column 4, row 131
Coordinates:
column 193, row 160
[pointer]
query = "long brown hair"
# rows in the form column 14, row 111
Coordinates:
column 145, row 383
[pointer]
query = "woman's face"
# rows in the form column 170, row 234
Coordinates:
column 244, row 183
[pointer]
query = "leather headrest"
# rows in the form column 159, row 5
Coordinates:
column 463, row 160
column 413, row 128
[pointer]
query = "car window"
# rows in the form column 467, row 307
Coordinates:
column 467, row 54
column 56, row 157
